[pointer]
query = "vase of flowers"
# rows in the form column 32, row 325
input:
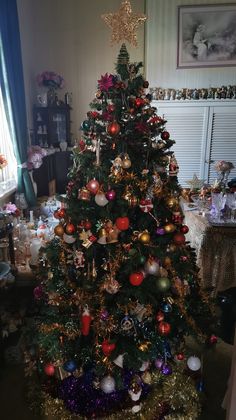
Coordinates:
column 51, row 81
column 223, row 169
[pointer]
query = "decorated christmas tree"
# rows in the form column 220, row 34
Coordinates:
column 119, row 289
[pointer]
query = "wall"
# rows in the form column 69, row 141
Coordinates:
column 70, row 38
column 161, row 41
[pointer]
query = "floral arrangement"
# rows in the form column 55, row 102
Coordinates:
column 223, row 166
column 12, row 209
column 35, row 157
column 50, row 79
column 3, row 161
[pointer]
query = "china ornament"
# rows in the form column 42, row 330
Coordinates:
column 100, row 199
column 107, row 384
column 194, row 363
column 152, row 267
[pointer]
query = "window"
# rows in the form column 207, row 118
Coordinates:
column 8, row 174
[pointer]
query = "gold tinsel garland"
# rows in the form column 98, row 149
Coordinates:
column 177, row 390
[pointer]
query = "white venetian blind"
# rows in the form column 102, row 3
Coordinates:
column 223, row 139
column 186, row 126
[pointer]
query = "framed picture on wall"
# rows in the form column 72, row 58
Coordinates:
column 206, row 36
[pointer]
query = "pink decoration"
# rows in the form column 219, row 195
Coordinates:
column 105, row 82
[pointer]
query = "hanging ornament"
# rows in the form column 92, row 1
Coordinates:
column 69, row 239
column 177, row 217
column 86, row 321
column 49, row 369
column 179, row 357
column 184, row 229
column 108, row 384
column 144, row 237
column 122, row 223
column 79, row 260
column 139, row 102
column 61, row 213
column 163, row 284
column 159, row 363
column 110, row 195
column 160, row 316
column 93, row 186
column 100, row 199
column 169, row 228
column 179, row 238
column 70, row 366
column 152, row 267
column 108, row 347
column 144, row 366
column 171, row 202
column 59, row 230
column 133, row 201
column 84, row 194
column 113, row 129
column 173, row 166
column 193, row 363
column 147, row 378
column 165, row 135
column 56, row 215
column 136, row 278
column 86, row 125
column 164, row 328
column 112, row 286
column 70, row 228
column 126, row 163
column 160, row 231
column 102, row 236
column 166, row 369
column 119, row 361
column 146, row 205
column 166, row 307
column 87, row 224
column 127, row 324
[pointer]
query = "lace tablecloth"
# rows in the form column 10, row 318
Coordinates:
column 215, row 249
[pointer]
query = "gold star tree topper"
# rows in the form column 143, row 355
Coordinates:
column 124, row 23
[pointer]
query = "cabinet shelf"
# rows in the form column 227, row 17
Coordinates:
column 55, row 125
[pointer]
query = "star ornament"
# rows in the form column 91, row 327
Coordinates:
column 195, row 183
column 124, row 23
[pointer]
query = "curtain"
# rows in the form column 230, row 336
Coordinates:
column 12, row 86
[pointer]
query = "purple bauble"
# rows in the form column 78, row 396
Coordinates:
column 104, row 315
column 159, row 363
column 110, row 195
column 166, row 369
column 160, row 231
column 38, row 292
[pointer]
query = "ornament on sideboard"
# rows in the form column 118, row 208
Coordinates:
column 179, row 94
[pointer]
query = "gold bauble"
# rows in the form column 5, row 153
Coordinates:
column 147, row 378
column 126, row 164
column 144, row 237
column 171, row 202
column 167, row 262
column 59, row 230
column 170, row 227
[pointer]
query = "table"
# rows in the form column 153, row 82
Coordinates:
column 215, row 250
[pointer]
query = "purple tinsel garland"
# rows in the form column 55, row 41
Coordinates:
column 80, row 397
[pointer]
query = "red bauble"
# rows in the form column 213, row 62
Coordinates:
column 87, row 225
column 70, row 229
column 86, row 321
column 184, row 229
column 136, row 278
column 165, row 135
column 160, row 316
column 139, row 102
column 61, row 213
column 93, row 186
column 82, row 145
column 179, row 238
column 107, row 347
column 56, row 215
column 110, row 195
column 122, row 223
column 164, row 328
column 179, row 356
column 113, row 129
column 111, row 108
column 49, row 369
column 213, row 339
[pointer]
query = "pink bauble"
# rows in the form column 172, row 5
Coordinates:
column 93, row 186
column 110, row 195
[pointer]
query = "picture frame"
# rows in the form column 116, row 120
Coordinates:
column 206, row 36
